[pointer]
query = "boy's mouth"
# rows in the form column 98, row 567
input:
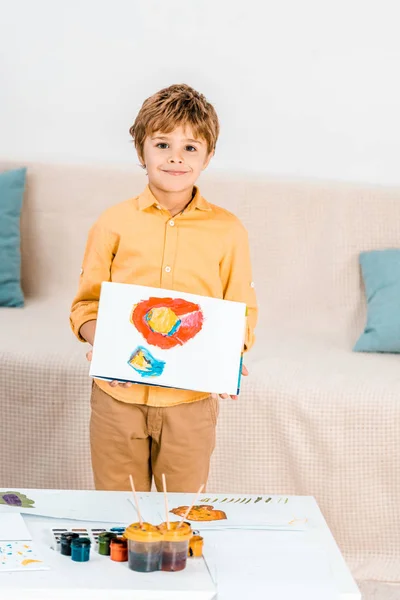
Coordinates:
column 175, row 172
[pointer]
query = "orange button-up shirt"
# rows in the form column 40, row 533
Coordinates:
column 204, row 250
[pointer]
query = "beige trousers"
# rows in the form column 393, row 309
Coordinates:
column 147, row 441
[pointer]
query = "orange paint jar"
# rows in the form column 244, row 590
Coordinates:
column 119, row 549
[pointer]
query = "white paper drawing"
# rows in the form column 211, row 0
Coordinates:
column 218, row 511
column 239, row 512
column 20, row 556
column 82, row 505
column 167, row 338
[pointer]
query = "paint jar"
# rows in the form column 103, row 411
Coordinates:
column 80, row 549
column 104, row 542
column 65, row 542
column 196, row 544
column 144, row 547
column 175, row 545
column 118, row 530
column 119, row 549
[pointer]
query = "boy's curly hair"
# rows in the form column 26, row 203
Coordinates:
column 174, row 106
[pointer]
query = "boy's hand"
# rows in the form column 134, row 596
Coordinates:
column 124, row 384
column 224, row 396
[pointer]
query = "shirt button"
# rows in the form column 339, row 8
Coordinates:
column 252, row 284
column 168, row 269
column 172, row 223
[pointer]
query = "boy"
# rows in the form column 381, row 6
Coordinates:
column 168, row 237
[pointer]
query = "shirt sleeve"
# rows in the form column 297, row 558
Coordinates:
column 236, row 277
column 100, row 250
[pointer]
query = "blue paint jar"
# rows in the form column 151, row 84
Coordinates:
column 118, row 530
column 80, row 549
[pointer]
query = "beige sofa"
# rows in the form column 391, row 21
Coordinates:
column 313, row 418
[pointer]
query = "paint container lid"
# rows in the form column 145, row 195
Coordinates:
column 175, row 533
column 119, row 541
column 147, row 533
column 68, row 536
column 80, row 542
column 107, row 536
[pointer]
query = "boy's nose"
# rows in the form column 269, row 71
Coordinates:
column 175, row 159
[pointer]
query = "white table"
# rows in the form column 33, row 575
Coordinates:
column 278, row 565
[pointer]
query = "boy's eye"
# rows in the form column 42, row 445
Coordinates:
column 162, row 145
column 190, row 148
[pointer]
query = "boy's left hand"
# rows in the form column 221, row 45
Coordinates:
column 224, row 396
column 124, row 384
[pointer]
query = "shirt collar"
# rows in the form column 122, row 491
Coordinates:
column 147, row 199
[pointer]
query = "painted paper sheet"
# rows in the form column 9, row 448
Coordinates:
column 165, row 338
column 239, row 512
column 20, row 556
column 212, row 511
column 80, row 505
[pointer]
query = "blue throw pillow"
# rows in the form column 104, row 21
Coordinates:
column 381, row 274
column 12, row 185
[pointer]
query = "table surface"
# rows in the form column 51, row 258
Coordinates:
column 278, row 565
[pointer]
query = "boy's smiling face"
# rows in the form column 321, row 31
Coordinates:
column 175, row 160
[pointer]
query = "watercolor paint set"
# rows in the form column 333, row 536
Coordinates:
column 92, row 533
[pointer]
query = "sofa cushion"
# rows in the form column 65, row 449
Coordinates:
column 381, row 274
column 12, row 184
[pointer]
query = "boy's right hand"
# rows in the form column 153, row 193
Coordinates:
column 124, row 384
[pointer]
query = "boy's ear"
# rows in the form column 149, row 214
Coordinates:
column 207, row 161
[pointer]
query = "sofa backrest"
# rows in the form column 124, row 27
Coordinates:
column 305, row 236
column 61, row 202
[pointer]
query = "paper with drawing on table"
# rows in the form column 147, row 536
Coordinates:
column 167, row 338
column 17, row 551
column 20, row 556
column 240, row 512
column 80, row 505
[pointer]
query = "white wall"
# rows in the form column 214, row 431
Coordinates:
column 302, row 87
